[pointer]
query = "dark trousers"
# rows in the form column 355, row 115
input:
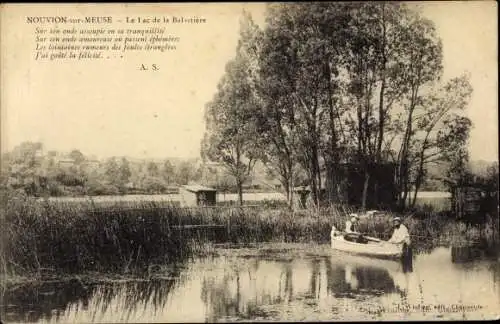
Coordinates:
column 407, row 258
column 354, row 237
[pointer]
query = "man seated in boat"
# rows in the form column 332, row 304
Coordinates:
column 352, row 231
column 351, row 225
column 335, row 232
column 400, row 234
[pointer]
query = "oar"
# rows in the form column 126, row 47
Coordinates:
column 369, row 238
column 372, row 239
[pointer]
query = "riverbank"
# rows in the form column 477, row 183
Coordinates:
column 55, row 239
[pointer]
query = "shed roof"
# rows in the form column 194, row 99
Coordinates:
column 197, row 188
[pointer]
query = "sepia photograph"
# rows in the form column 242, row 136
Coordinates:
column 248, row 162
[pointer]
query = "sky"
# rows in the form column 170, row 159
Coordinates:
column 111, row 108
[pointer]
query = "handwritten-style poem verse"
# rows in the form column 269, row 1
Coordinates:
column 97, row 38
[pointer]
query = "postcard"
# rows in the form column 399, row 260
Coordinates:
column 233, row 162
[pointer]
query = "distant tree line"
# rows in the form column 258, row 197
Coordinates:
column 324, row 84
column 52, row 173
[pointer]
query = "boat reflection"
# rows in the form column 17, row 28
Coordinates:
column 312, row 280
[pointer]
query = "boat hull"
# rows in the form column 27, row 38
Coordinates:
column 373, row 249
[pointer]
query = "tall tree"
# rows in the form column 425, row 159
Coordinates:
column 231, row 135
column 24, row 166
column 124, row 171
column 152, row 169
column 421, row 62
column 393, row 55
column 276, row 124
column 77, row 156
column 168, row 172
column 300, row 87
column 185, row 171
column 441, row 129
column 112, row 172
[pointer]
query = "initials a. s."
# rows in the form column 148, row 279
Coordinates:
column 146, row 67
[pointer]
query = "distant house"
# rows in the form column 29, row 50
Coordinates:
column 92, row 164
column 65, row 163
column 196, row 195
column 131, row 185
column 257, row 182
column 273, row 184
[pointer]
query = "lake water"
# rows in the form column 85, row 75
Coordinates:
column 284, row 282
column 248, row 196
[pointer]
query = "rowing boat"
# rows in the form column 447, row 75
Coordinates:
column 374, row 248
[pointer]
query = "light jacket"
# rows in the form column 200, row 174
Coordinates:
column 400, row 235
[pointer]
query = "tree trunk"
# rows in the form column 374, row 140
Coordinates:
column 239, row 185
column 287, row 191
column 376, row 194
column 333, row 158
column 420, row 175
column 404, row 167
column 414, row 199
column 404, row 175
column 365, row 190
column 318, row 172
column 314, row 189
column 314, row 171
column 401, row 186
column 405, row 190
column 380, row 138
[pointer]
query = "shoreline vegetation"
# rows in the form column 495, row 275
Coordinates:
column 46, row 240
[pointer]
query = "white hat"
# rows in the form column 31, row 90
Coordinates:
column 354, row 216
column 396, row 219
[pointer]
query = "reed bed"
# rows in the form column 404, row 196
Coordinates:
column 41, row 238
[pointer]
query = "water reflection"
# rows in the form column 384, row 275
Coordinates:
column 228, row 288
column 32, row 303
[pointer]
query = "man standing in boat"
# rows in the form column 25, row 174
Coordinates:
column 402, row 236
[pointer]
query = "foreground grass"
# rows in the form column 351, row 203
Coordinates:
column 42, row 240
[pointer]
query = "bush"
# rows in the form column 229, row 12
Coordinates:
column 102, row 189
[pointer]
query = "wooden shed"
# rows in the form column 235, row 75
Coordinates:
column 196, row 195
column 346, row 183
column 472, row 202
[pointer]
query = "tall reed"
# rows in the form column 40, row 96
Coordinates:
column 43, row 237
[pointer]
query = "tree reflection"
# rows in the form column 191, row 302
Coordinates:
column 68, row 301
column 34, row 302
column 463, row 254
column 241, row 291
